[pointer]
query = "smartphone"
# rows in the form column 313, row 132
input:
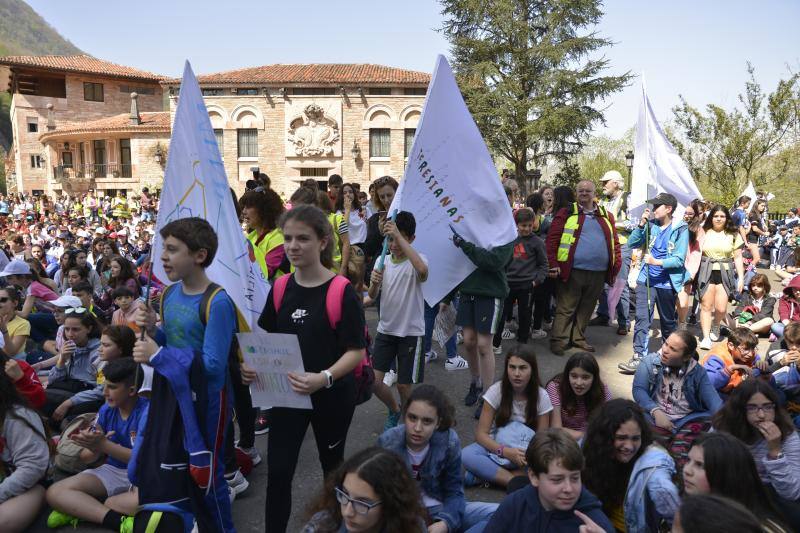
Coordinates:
column 382, row 214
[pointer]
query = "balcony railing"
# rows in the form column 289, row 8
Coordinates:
column 107, row 170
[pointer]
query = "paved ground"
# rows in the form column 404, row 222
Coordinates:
column 369, row 418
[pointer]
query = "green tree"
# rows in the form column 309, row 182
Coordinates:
column 530, row 74
column 602, row 153
column 727, row 149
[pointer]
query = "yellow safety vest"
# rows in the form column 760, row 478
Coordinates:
column 568, row 235
column 263, row 247
column 336, row 219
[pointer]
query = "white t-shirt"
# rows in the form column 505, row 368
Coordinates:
column 402, row 303
column 493, row 395
column 357, row 227
column 416, row 459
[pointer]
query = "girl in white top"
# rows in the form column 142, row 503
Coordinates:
column 518, row 397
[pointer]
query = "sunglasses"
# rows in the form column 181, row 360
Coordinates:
column 75, row 310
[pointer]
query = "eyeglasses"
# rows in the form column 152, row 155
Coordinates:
column 71, row 310
column 766, row 408
column 360, row 507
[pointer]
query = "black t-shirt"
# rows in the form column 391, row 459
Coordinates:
column 756, row 221
column 303, row 313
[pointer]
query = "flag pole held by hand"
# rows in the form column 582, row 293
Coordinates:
column 382, row 259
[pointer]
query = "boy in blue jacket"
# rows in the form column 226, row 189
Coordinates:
column 663, row 273
column 181, row 451
column 556, row 500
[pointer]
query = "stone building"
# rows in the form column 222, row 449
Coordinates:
column 299, row 121
column 67, row 117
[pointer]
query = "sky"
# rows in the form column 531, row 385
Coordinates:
column 698, row 49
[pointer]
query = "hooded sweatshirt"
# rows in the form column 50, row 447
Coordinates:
column 788, row 307
column 522, row 511
column 529, row 262
column 23, row 451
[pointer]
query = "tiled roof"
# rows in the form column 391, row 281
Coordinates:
column 317, row 74
column 82, row 64
column 158, row 122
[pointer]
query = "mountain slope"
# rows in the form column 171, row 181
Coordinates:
column 24, row 32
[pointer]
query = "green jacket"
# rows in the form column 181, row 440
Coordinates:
column 489, row 279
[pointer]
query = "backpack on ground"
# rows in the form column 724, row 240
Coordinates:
column 363, row 372
column 68, row 451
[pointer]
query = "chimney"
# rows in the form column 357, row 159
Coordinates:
column 51, row 118
column 135, row 118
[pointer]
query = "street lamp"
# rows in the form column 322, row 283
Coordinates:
column 355, row 150
column 629, row 164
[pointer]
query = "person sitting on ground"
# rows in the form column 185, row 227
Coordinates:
column 24, row 378
column 44, row 359
column 783, row 356
column 675, row 393
column 555, row 500
column 733, row 360
column 709, row 513
column 721, row 464
column 431, row 449
column 630, row 473
column 756, row 307
column 127, row 306
column 788, row 307
column 753, row 414
column 576, row 393
column 112, row 435
column 14, row 329
column 514, row 409
column 24, row 458
column 370, row 491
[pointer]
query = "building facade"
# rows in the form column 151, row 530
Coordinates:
column 295, row 122
column 81, row 123
column 75, row 95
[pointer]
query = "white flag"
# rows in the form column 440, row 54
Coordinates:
column 451, row 180
column 195, row 185
column 750, row 191
column 657, row 167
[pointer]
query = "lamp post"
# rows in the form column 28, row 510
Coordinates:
column 629, row 164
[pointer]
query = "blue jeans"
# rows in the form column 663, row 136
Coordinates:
column 474, row 513
column 665, row 300
column 624, row 304
column 475, row 459
column 430, row 319
column 777, row 329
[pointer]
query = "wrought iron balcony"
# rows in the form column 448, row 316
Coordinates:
column 85, row 172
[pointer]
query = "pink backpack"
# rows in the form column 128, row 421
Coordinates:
column 363, row 372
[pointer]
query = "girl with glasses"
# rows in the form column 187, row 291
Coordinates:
column 753, row 414
column 371, row 492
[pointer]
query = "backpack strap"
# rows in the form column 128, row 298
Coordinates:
column 279, row 289
column 164, row 293
column 205, row 302
column 333, row 299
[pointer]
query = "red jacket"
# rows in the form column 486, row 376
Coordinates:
column 554, row 239
column 788, row 307
column 29, row 386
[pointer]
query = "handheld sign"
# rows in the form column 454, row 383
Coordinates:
column 272, row 356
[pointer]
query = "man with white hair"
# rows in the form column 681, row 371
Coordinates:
column 616, row 202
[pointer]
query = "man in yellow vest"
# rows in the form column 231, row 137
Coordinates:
column 583, row 249
column 615, row 202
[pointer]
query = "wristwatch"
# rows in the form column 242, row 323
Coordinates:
column 329, row 379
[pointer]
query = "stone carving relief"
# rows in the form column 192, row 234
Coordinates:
column 313, row 132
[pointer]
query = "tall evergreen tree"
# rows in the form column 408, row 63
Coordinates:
column 530, row 72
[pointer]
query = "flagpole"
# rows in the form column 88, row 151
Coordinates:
column 382, row 259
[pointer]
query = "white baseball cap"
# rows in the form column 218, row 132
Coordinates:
column 66, row 302
column 613, row 175
column 16, row 267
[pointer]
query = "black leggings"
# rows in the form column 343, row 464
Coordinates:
column 330, row 419
column 521, row 296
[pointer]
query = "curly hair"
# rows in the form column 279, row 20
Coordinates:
column 503, row 414
column 268, row 205
column 732, row 418
column 563, row 196
column 730, row 226
column 436, row 398
column 606, row 477
column 340, row 199
column 388, row 475
column 594, row 397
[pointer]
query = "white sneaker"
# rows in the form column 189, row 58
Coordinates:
column 538, row 334
column 714, row 335
column 508, row 335
column 237, row 484
column 390, row 378
column 456, row 363
column 772, row 267
column 431, row 356
column 705, row 344
column 498, row 350
column 252, row 453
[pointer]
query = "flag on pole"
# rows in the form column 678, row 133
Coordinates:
column 657, row 167
column 195, row 185
column 750, row 191
column 451, row 181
